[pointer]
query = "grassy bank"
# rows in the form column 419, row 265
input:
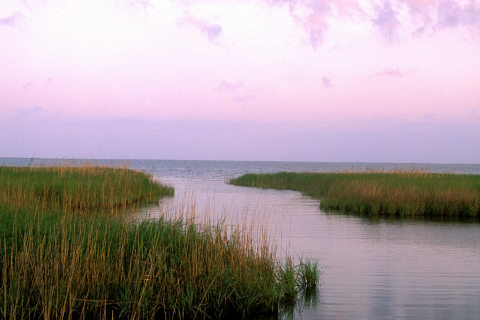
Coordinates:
column 71, row 188
column 67, row 250
column 380, row 192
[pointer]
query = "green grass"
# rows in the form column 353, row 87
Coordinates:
column 69, row 250
column 81, row 189
column 396, row 192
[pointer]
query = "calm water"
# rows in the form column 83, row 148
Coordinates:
column 374, row 268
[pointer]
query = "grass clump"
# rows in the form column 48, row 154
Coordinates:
column 69, row 251
column 70, row 188
column 395, row 192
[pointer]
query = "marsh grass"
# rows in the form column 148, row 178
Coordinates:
column 394, row 192
column 69, row 250
column 70, row 187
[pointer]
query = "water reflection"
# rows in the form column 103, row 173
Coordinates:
column 305, row 306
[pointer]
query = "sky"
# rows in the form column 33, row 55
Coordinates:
column 269, row 80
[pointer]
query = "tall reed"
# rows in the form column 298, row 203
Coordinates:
column 69, row 251
column 394, row 192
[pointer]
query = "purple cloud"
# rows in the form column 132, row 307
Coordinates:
column 428, row 116
column 315, row 22
column 390, row 73
column 449, row 13
column 327, row 82
column 213, row 31
column 386, row 20
column 29, row 111
column 244, row 98
column 472, row 14
column 444, row 13
column 140, row 3
column 11, row 20
column 229, row 87
column 452, row 14
column 313, row 15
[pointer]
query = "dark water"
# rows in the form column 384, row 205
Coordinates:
column 374, row 268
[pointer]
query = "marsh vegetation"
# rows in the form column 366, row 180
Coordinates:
column 69, row 248
column 379, row 192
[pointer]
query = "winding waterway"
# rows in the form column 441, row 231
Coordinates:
column 373, row 268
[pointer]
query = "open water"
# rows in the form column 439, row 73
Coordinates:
column 373, row 268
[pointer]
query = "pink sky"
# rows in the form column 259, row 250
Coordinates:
column 333, row 80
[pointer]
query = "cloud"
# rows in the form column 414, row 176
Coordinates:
column 472, row 14
column 386, row 20
column 213, row 31
column 452, row 14
column 389, row 16
column 449, row 13
column 316, row 22
column 30, row 111
column 327, row 82
column 312, row 16
column 445, row 13
column 229, row 87
column 11, row 20
column 390, row 73
column 139, row 3
column 428, row 116
column 244, row 98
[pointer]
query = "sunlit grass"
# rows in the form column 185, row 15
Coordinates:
column 68, row 249
column 394, row 192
